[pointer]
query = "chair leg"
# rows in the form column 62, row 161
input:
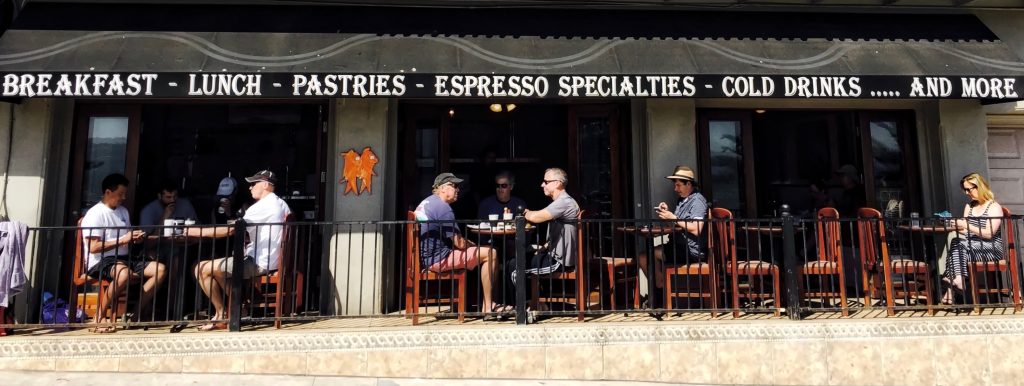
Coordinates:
column 462, row 298
column 842, row 293
column 735, row 293
column 972, row 276
column 928, row 298
column 609, row 267
column 415, row 301
column 778, row 291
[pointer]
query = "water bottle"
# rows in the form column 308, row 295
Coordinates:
column 915, row 220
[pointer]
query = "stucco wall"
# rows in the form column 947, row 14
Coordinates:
column 359, row 254
column 35, row 182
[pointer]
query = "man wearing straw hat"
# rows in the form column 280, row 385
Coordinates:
column 683, row 247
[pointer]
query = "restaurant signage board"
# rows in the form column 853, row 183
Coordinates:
column 546, row 86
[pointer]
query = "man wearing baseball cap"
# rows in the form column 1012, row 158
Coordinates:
column 442, row 247
column 265, row 231
column 684, row 247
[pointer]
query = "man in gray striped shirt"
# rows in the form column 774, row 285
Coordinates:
column 685, row 246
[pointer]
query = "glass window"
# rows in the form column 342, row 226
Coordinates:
column 726, row 152
column 105, row 154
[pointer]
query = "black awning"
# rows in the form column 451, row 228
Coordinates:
column 500, row 21
column 84, row 51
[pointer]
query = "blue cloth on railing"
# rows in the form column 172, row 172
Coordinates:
column 55, row 311
column 13, row 236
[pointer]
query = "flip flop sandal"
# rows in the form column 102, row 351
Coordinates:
column 213, row 327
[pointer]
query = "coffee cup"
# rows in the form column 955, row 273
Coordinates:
column 190, row 222
column 169, row 227
column 507, row 216
column 179, row 226
column 492, row 217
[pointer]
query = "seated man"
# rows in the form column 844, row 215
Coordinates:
column 502, row 201
column 559, row 252
column 261, row 250
column 443, row 249
column 167, row 205
column 106, row 238
column 685, row 247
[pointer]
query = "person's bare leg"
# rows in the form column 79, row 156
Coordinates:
column 119, row 284
column 207, row 274
column 659, row 267
column 487, row 269
column 154, row 274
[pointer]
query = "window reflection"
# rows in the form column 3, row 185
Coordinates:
column 105, row 154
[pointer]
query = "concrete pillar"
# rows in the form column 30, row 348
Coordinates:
column 357, row 252
column 36, row 138
column 964, row 136
column 671, row 140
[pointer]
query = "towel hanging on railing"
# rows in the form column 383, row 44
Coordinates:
column 13, row 237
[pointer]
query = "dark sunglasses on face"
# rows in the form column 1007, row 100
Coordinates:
column 549, row 181
column 968, row 190
column 501, row 186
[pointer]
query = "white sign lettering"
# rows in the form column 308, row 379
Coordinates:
column 78, row 85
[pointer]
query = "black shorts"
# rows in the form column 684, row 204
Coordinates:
column 102, row 269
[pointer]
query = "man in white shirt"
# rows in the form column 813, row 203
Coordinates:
column 265, row 233
column 106, row 236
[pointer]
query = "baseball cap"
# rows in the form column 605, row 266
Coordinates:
column 226, row 187
column 445, row 178
column 263, row 175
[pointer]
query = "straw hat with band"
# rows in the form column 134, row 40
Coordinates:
column 683, row 173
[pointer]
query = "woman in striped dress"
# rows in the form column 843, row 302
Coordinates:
column 978, row 233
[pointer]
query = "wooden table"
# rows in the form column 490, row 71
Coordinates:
column 927, row 229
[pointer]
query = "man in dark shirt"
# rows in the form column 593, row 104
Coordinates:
column 502, row 201
column 442, row 247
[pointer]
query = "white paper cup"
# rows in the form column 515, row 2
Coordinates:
column 179, row 227
column 492, row 217
column 169, row 227
column 190, row 222
column 506, row 216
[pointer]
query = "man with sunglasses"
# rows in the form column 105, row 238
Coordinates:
column 502, row 200
column 562, row 215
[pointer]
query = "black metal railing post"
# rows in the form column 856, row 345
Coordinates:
column 790, row 261
column 237, row 262
column 520, row 270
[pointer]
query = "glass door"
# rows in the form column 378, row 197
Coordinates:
column 728, row 164
column 107, row 141
column 890, row 160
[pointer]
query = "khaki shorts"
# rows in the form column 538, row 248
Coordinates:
column 249, row 267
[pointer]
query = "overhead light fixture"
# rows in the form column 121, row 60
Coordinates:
column 451, row 113
column 496, row 107
column 509, row 107
column 759, row 111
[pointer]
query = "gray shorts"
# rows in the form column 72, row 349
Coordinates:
column 249, row 267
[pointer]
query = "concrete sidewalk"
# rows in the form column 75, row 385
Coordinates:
column 57, row 378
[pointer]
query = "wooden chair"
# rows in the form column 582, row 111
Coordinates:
column 754, row 271
column 81, row 280
column 1005, row 266
column 577, row 275
column 275, row 290
column 618, row 271
column 705, row 271
column 417, row 276
column 874, row 254
column 829, row 262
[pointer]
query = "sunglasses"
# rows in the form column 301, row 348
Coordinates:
column 968, row 190
column 501, row 186
column 549, row 181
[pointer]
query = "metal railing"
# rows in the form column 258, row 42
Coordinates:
column 773, row 266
